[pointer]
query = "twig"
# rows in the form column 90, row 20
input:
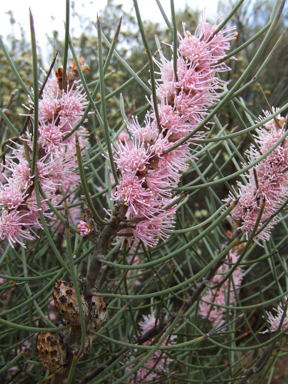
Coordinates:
column 101, row 241
column 261, row 360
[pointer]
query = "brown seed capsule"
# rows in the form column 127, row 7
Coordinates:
column 98, row 312
column 51, row 351
column 66, row 302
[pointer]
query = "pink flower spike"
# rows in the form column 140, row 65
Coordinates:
column 271, row 184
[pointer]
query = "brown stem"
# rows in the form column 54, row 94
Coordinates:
column 101, row 241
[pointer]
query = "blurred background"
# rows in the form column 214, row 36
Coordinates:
column 49, row 26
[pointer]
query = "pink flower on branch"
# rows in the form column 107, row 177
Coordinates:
column 84, row 229
column 59, row 112
column 149, row 168
column 266, row 182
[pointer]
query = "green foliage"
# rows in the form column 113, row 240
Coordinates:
column 165, row 277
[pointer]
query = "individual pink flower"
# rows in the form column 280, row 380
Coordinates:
column 52, row 316
column 159, row 181
column 83, row 228
column 156, row 361
column 146, row 134
column 21, row 173
column 275, row 321
column 51, row 89
column 123, row 136
column 224, row 294
column 135, row 196
column 134, row 159
column 12, row 227
column 174, row 162
column 151, row 230
column 48, row 109
column 175, row 123
column 50, row 137
column 73, row 104
column 11, row 197
column 219, row 42
column 147, row 323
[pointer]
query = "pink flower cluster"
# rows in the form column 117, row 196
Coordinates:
column 156, row 361
column 267, row 181
column 274, row 321
column 59, row 112
column 148, row 173
column 224, row 294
